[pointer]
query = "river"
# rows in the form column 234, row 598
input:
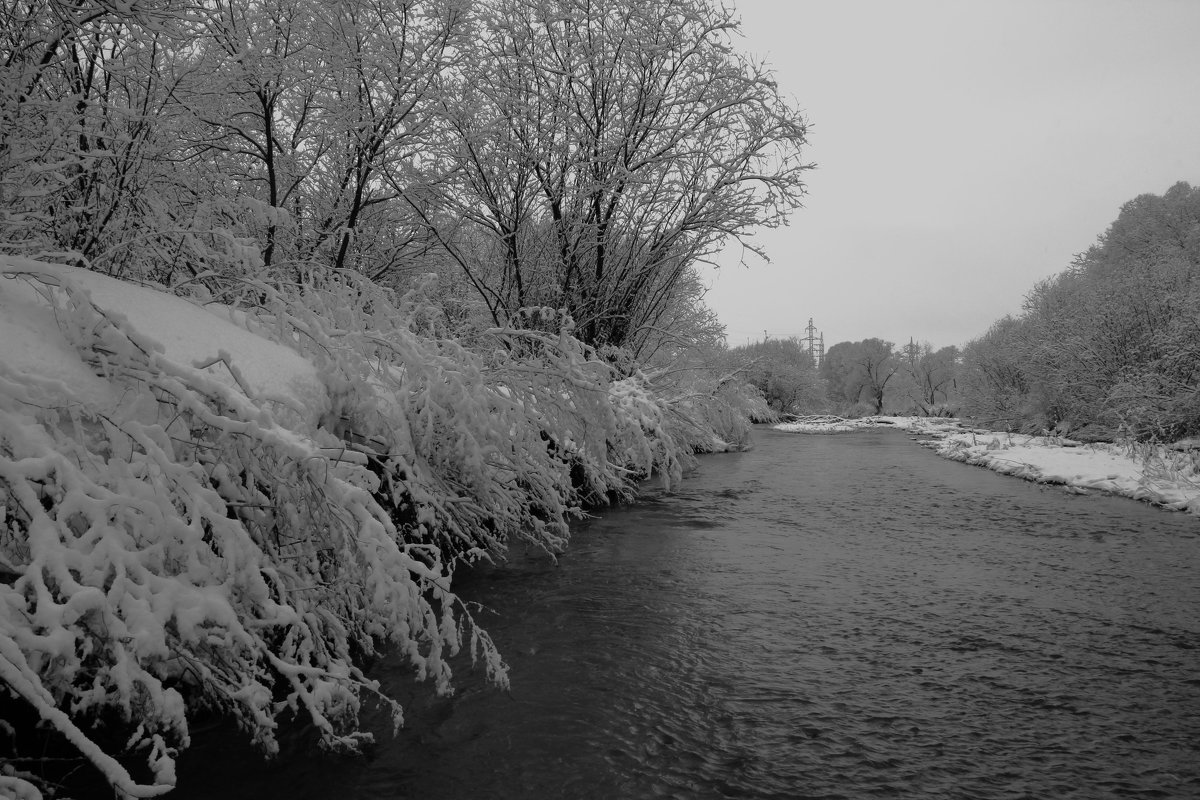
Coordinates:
column 820, row 617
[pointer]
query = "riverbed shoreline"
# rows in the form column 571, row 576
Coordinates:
column 1167, row 476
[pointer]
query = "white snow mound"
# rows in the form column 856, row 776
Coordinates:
column 31, row 343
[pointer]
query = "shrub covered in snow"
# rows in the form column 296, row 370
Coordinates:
column 182, row 528
column 710, row 411
column 181, row 547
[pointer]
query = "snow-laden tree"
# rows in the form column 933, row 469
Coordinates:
column 580, row 157
column 601, row 149
column 85, row 116
column 784, row 371
column 995, row 381
column 1113, row 338
column 925, row 381
column 859, row 372
column 1110, row 344
column 165, row 139
column 309, row 113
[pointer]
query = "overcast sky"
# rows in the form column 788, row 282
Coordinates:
column 965, row 150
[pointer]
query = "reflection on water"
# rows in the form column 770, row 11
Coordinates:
column 835, row 616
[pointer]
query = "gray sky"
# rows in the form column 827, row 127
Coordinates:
column 965, row 150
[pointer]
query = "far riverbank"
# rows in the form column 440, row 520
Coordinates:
column 1163, row 475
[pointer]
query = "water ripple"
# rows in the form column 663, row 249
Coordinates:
column 824, row 617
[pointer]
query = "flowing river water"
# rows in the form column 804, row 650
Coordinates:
column 820, row 617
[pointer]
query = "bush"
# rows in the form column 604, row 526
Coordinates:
column 172, row 542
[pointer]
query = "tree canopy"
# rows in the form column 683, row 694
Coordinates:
column 1112, row 343
column 598, row 149
column 784, row 371
column 859, row 372
column 565, row 155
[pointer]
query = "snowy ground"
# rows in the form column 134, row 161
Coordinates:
column 1167, row 476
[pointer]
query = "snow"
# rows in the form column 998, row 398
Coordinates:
column 32, row 348
column 1164, row 475
column 31, row 343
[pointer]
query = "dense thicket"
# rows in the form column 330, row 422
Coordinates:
column 596, row 150
column 165, row 140
column 558, row 166
column 575, row 156
column 1111, row 345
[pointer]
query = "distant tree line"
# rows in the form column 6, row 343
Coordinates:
column 871, row 376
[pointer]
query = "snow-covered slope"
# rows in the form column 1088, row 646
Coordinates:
column 32, row 348
column 209, row 337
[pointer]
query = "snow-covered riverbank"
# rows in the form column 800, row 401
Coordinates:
column 1165, row 475
column 228, row 508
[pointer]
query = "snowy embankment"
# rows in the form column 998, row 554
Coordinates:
column 1164, row 475
column 204, row 506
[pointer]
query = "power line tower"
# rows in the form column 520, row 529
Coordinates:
column 814, row 344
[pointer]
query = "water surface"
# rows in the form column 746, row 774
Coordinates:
column 821, row 617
